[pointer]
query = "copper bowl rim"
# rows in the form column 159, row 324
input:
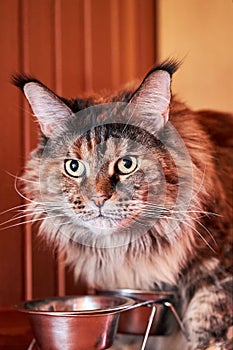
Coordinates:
column 130, row 293
column 137, row 291
column 125, row 303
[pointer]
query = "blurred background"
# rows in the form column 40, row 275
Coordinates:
column 78, row 47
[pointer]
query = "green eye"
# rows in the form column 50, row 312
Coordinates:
column 75, row 168
column 127, row 165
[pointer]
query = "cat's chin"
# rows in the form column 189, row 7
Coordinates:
column 103, row 225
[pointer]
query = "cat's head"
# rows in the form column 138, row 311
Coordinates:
column 102, row 172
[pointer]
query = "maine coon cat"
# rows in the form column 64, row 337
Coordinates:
column 136, row 189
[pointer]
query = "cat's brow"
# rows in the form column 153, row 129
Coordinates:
column 101, row 134
column 77, row 148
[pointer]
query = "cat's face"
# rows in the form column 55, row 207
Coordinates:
column 107, row 179
column 107, row 171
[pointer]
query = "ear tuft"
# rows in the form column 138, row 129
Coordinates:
column 154, row 94
column 170, row 65
column 21, row 79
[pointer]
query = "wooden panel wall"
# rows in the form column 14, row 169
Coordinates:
column 74, row 47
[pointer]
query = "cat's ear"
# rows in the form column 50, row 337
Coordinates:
column 49, row 109
column 154, row 95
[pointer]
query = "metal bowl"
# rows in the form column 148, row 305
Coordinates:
column 135, row 320
column 75, row 323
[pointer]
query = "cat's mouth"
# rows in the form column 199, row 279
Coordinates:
column 104, row 221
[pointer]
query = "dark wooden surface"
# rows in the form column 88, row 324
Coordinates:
column 15, row 330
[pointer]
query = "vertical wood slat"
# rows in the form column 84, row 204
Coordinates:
column 88, row 68
column 115, row 43
column 147, row 35
column 58, row 87
column 130, row 40
column 128, row 32
column 41, row 65
column 11, row 238
column 24, row 44
column 58, row 46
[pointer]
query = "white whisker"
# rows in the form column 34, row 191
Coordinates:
column 130, row 117
column 200, row 235
column 21, row 178
column 201, row 184
column 31, row 221
column 13, row 208
column 153, row 211
column 206, row 229
column 17, row 218
column 65, row 223
column 21, row 195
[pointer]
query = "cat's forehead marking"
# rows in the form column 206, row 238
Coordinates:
column 76, row 149
column 93, row 143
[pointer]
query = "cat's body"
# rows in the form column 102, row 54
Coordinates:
column 155, row 204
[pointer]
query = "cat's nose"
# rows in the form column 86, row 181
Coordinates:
column 100, row 199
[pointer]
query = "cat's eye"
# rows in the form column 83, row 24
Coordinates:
column 75, row 168
column 126, row 165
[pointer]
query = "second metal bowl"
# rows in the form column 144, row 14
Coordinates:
column 135, row 320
